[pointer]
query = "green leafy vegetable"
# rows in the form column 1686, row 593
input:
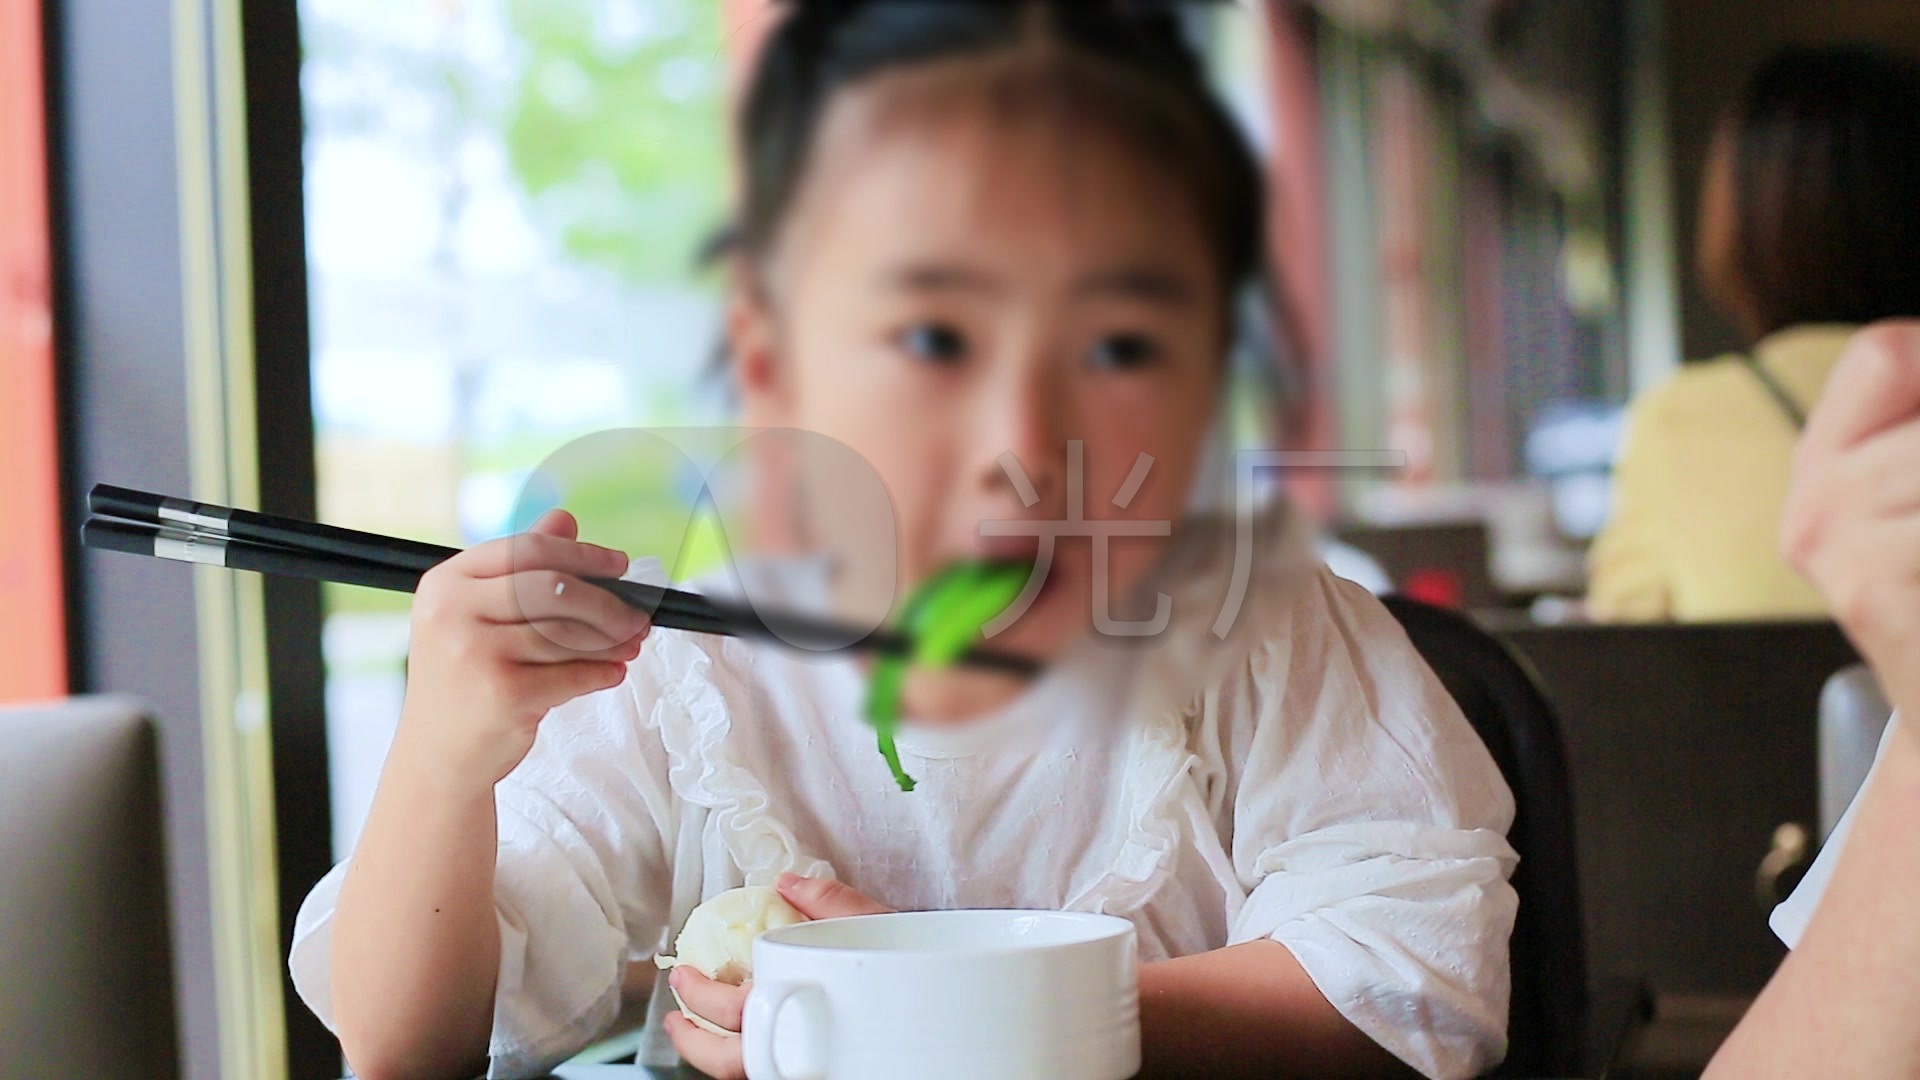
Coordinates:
column 943, row 617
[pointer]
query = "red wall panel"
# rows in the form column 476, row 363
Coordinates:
column 32, row 620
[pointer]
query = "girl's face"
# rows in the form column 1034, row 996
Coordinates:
column 957, row 295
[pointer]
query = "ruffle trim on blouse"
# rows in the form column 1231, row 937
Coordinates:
column 694, row 720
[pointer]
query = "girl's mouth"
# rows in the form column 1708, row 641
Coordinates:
column 1029, row 564
column 1024, row 553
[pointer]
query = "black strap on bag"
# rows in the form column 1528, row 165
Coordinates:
column 1779, row 393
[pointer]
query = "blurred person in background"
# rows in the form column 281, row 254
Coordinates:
column 1809, row 221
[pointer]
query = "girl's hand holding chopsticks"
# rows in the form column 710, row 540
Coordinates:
column 502, row 633
column 161, row 526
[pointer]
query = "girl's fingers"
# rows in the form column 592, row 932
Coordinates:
column 561, row 641
column 540, row 595
column 825, row 898
column 715, row 1055
column 539, row 551
column 557, row 684
column 557, row 523
column 716, row 1002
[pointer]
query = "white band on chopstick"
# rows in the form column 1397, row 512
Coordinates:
column 183, row 512
column 191, row 547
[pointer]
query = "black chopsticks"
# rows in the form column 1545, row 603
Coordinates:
column 108, row 501
column 143, row 523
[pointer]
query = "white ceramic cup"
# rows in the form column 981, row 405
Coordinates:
column 946, row 995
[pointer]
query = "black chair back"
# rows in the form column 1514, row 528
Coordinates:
column 1547, row 1021
column 1690, row 745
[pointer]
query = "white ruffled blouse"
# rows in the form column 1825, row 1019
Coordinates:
column 1306, row 780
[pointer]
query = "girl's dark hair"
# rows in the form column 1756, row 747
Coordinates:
column 824, row 46
column 1824, row 148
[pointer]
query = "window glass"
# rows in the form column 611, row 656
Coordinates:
column 505, row 199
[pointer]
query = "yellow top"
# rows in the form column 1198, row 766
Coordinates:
column 1699, row 487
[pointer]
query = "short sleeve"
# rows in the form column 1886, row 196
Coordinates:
column 1370, row 832
column 1790, row 918
column 1628, row 579
column 581, row 882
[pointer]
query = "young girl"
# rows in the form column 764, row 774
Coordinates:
column 992, row 248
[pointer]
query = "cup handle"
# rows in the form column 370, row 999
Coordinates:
column 757, row 1027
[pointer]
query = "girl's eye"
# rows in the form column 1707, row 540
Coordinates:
column 1125, row 352
column 935, row 343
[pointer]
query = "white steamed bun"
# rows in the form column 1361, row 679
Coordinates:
column 717, row 940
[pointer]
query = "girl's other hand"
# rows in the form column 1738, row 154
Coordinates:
column 825, row 898
column 1852, row 521
column 504, row 632
column 721, row 1004
column 719, row 1056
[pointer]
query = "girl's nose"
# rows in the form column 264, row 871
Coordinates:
column 1022, row 443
